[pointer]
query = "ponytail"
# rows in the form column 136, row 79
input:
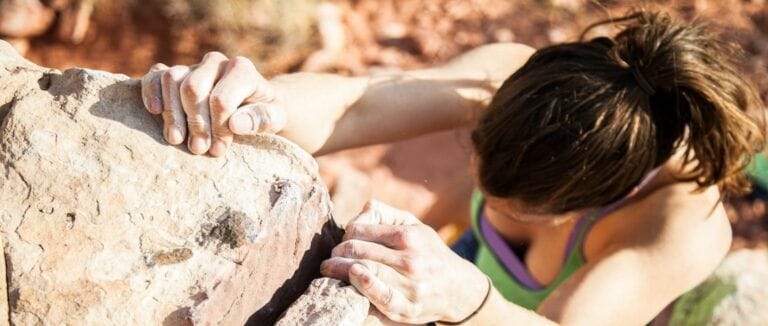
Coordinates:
column 581, row 123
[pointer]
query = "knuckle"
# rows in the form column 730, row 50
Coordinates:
column 405, row 237
column 265, row 91
column 190, row 90
column 223, row 134
column 240, row 62
column 419, row 291
column 351, row 230
column 169, row 118
column 337, row 251
column 175, row 73
column 168, row 77
column 219, row 104
column 350, row 249
column 409, row 264
column 197, row 126
column 157, row 66
column 214, row 55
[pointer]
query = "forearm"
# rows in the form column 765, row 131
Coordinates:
column 327, row 113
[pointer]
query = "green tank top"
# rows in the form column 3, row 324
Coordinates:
column 508, row 284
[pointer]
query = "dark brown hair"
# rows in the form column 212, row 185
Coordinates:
column 580, row 124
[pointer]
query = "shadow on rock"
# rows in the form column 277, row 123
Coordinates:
column 309, row 269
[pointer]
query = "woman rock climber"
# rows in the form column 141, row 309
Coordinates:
column 600, row 168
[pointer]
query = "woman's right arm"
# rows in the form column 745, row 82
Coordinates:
column 323, row 113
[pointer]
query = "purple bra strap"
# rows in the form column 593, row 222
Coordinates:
column 505, row 254
column 512, row 262
column 587, row 220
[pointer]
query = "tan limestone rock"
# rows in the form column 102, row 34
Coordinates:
column 104, row 223
column 327, row 302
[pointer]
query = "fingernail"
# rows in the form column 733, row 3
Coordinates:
column 242, row 123
column 197, row 145
column 157, row 105
column 174, row 136
column 218, row 148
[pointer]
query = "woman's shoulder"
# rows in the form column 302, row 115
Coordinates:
column 679, row 224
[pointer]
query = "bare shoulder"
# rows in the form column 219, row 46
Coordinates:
column 676, row 228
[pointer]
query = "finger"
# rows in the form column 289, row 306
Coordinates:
column 151, row 89
column 251, row 119
column 195, row 93
column 357, row 249
column 337, row 267
column 174, row 121
column 391, row 302
column 392, row 236
column 376, row 212
column 239, row 82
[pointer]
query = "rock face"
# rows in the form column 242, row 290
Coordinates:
column 103, row 222
column 327, row 302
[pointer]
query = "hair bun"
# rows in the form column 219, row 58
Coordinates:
column 705, row 96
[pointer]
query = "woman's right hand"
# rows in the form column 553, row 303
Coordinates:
column 210, row 102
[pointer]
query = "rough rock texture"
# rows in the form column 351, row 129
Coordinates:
column 327, row 302
column 103, row 222
column 735, row 294
column 747, row 271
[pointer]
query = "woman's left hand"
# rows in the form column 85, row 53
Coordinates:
column 405, row 269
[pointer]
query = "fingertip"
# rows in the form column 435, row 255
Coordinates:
column 198, row 145
column 219, row 148
column 174, row 136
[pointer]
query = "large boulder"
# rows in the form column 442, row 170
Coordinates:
column 103, row 222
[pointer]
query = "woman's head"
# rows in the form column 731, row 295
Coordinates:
column 580, row 124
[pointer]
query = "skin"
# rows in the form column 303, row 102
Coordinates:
column 639, row 258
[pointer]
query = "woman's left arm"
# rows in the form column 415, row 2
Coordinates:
column 407, row 272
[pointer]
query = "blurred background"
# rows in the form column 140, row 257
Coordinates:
column 428, row 175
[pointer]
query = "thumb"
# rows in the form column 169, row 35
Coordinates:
column 254, row 118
